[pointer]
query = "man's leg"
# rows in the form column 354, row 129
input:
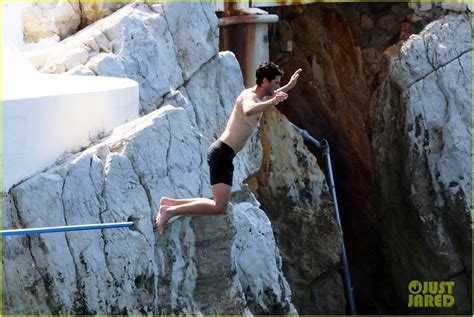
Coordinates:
column 175, row 202
column 199, row 207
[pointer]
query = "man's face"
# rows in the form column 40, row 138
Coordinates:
column 272, row 86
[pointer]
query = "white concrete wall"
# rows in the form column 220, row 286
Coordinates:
column 43, row 123
column 44, row 116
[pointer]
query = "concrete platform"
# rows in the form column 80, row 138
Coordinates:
column 44, row 116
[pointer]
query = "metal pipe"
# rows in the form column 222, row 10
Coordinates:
column 323, row 145
column 246, row 35
column 17, row 232
column 248, row 19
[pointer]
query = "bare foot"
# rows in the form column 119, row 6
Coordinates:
column 162, row 218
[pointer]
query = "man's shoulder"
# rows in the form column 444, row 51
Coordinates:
column 248, row 93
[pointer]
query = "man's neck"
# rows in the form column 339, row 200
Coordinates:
column 259, row 91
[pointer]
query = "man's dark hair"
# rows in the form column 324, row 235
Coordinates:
column 267, row 70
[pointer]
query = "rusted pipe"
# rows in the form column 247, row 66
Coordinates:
column 246, row 35
column 248, row 19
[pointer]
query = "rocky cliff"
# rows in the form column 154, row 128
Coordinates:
column 61, row 19
column 230, row 264
column 389, row 85
column 422, row 145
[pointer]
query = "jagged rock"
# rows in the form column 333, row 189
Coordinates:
column 366, row 22
column 142, row 41
column 46, row 19
column 421, row 6
column 161, row 154
column 459, row 6
column 330, row 102
column 199, row 266
column 258, row 261
column 26, row 275
column 93, row 11
column 422, row 144
column 303, row 212
column 426, row 52
column 137, row 271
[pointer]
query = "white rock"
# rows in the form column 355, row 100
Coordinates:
column 155, row 44
column 45, row 19
column 437, row 112
column 440, row 57
column 200, row 41
column 92, row 11
column 454, row 6
column 42, row 20
column 422, row 140
column 161, row 154
column 258, row 261
column 438, row 44
column 120, row 270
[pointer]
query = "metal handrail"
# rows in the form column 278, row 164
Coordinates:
column 99, row 226
column 323, row 146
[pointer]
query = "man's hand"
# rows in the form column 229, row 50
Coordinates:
column 294, row 77
column 279, row 97
column 292, row 82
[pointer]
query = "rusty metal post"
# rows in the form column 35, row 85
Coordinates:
column 246, row 35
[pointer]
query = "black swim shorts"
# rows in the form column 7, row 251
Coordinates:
column 219, row 157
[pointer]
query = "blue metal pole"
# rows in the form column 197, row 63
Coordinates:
column 323, row 145
column 17, row 232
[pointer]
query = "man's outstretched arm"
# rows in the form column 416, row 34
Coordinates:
column 250, row 105
column 291, row 83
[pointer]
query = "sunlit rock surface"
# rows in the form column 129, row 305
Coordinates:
column 92, row 11
column 302, row 216
column 138, row 271
column 211, row 265
column 46, row 19
column 43, row 20
column 142, row 41
column 422, row 145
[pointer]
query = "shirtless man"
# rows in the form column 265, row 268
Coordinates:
column 248, row 109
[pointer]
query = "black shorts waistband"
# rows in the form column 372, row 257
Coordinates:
column 224, row 147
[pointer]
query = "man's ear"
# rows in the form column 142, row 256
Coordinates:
column 265, row 82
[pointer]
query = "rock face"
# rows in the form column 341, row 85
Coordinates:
column 303, row 211
column 142, row 42
column 93, row 11
column 43, row 20
column 345, row 97
column 422, row 145
column 331, row 101
column 211, row 265
column 460, row 6
column 138, row 271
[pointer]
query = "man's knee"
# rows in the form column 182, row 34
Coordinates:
column 221, row 208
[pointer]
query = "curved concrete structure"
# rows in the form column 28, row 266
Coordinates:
column 44, row 116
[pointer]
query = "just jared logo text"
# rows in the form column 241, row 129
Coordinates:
column 430, row 294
